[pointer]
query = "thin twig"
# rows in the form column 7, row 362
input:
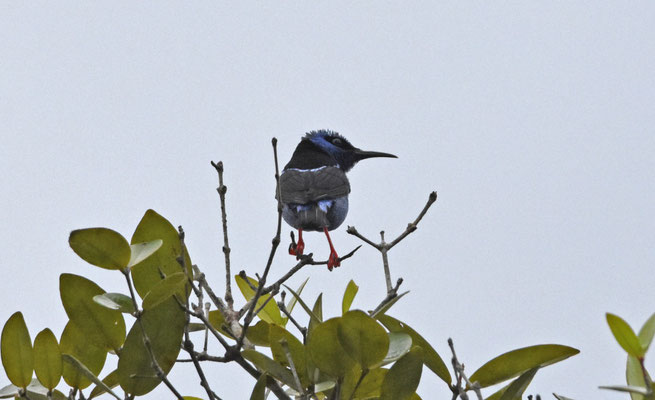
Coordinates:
column 391, row 294
column 384, row 247
column 459, row 373
column 146, row 340
column 274, row 245
column 222, row 189
column 188, row 344
column 286, row 312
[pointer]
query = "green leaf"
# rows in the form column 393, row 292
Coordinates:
column 101, row 247
column 17, row 353
column 104, row 327
column 141, row 251
column 164, row 326
column 172, row 284
column 196, row 327
column 431, row 357
column 258, row 333
column 259, row 391
column 269, row 366
column 314, row 318
column 514, row 363
column 88, row 374
column 401, row 381
column 47, row 359
column 296, row 349
column 115, row 301
column 634, row 376
column 625, row 336
column 348, row 296
column 371, row 384
column 146, row 273
column 364, row 340
column 516, row 389
column 387, row 306
column 628, row 389
column 293, row 300
column 326, row 350
column 110, row 381
column 400, row 344
column 646, row 333
column 217, row 320
column 271, row 312
column 75, row 342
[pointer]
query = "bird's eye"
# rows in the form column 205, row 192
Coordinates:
column 337, row 142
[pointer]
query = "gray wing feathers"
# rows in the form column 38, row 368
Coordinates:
column 302, row 187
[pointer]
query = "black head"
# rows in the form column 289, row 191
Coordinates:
column 339, row 148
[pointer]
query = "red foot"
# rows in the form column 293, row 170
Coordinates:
column 333, row 260
column 296, row 249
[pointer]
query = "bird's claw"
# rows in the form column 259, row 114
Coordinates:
column 333, row 260
column 297, row 249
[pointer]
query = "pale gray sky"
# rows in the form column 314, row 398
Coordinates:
column 533, row 120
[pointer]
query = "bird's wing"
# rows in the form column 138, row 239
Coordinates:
column 306, row 186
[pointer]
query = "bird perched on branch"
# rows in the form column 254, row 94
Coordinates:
column 314, row 188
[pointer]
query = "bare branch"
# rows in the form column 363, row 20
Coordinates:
column 459, row 374
column 274, row 245
column 411, row 227
column 384, row 247
column 222, row 189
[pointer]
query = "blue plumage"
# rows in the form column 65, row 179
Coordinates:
column 314, row 188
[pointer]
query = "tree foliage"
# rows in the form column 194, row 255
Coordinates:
column 357, row 355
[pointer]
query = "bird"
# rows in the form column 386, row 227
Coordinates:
column 314, row 188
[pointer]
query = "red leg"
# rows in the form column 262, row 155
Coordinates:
column 333, row 260
column 296, row 249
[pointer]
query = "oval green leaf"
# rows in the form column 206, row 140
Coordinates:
column 115, row 301
column 101, row 247
column 634, row 376
column 400, row 344
column 146, row 273
column 164, row 326
column 141, row 251
column 625, row 336
column 514, row 363
column 348, row 296
column 401, row 381
column 431, row 357
column 271, row 312
column 47, row 359
column 258, row 333
column 104, row 327
column 646, row 333
column 172, row 284
column 364, row 340
column 17, row 353
column 326, row 351
column 371, row 384
column 75, row 342
column 296, row 350
column 271, row 367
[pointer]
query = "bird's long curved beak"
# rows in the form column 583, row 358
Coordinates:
column 362, row 154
